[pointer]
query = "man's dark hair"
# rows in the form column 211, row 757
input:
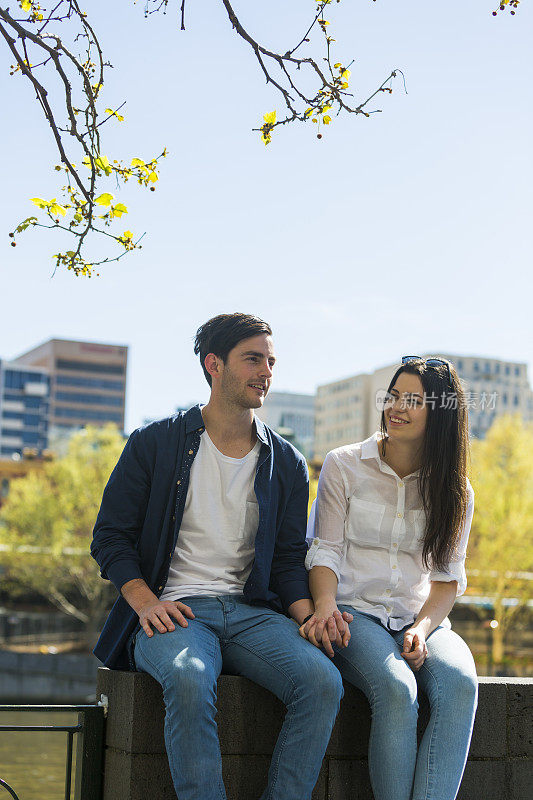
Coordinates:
column 222, row 333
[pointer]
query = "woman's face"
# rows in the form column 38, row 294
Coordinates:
column 406, row 413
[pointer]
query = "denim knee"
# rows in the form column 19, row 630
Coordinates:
column 462, row 689
column 398, row 695
column 325, row 682
column 188, row 680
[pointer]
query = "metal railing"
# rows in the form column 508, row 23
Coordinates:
column 89, row 747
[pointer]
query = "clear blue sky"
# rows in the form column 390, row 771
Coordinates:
column 406, row 232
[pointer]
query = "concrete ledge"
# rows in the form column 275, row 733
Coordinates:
column 499, row 766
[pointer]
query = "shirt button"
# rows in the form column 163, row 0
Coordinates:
column 316, row 541
column 191, row 452
column 399, row 514
column 387, row 591
column 178, row 483
column 401, row 484
column 394, row 566
column 159, row 588
column 394, row 544
column 174, row 518
column 201, row 430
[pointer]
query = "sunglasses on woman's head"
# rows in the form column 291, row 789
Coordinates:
column 431, row 362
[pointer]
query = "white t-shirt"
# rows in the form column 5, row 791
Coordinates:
column 368, row 526
column 215, row 548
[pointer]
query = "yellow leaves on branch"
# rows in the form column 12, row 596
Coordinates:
column 117, row 210
column 147, row 172
column 52, row 206
column 114, row 114
column 104, row 199
column 32, row 8
column 266, row 129
column 82, row 208
column 127, row 240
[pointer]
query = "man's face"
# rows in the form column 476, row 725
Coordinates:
column 246, row 375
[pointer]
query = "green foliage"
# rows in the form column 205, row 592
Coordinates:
column 500, row 563
column 46, row 525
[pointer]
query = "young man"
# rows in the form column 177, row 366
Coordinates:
column 202, row 531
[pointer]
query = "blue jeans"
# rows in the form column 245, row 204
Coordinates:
column 373, row 663
column 264, row 646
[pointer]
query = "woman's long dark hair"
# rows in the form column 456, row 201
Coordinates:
column 442, row 478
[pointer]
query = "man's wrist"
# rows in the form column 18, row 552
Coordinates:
column 138, row 594
column 300, row 609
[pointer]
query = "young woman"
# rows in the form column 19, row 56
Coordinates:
column 389, row 536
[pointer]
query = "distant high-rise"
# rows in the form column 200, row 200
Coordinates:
column 24, row 404
column 87, row 382
column 291, row 415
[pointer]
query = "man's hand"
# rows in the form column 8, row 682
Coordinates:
column 322, row 631
column 159, row 615
column 414, row 648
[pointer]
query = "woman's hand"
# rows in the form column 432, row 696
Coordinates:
column 327, row 626
column 414, row 647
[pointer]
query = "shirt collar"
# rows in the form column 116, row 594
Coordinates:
column 369, row 448
column 260, row 430
column 195, row 422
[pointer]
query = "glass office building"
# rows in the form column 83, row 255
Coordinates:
column 24, row 407
column 87, row 383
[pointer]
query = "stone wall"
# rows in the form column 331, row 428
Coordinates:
column 45, row 678
column 249, row 718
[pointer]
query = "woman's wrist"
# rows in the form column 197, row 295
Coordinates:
column 325, row 607
column 423, row 625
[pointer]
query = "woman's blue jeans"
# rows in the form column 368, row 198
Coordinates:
column 264, row 646
column 373, row 663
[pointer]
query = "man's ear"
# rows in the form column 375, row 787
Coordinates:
column 212, row 364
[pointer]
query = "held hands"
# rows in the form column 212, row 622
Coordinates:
column 159, row 615
column 327, row 626
column 414, row 648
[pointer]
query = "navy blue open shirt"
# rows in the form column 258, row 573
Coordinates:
column 142, row 507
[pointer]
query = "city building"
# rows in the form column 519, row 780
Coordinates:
column 24, row 407
column 493, row 388
column 340, row 413
column 347, row 410
column 292, row 416
column 87, row 383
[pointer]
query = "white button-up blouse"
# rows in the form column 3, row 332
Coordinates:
column 367, row 525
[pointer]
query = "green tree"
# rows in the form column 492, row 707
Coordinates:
column 46, row 526
column 500, row 563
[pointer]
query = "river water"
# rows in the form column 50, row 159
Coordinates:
column 34, row 764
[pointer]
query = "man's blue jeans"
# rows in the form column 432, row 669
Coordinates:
column 373, row 663
column 264, row 646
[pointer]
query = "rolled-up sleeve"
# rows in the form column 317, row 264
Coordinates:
column 456, row 568
column 325, row 530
